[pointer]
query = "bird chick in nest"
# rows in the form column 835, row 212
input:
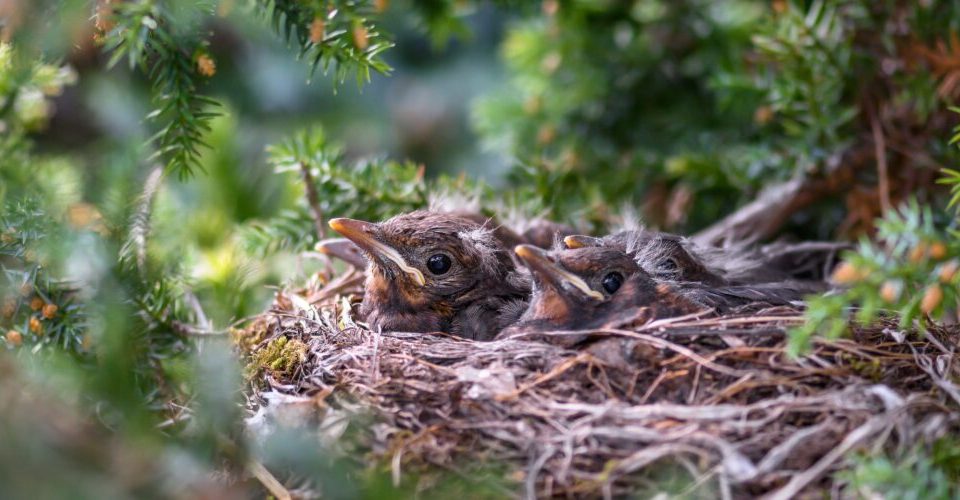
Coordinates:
column 588, row 287
column 430, row 271
column 665, row 256
column 539, row 232
column 671, row 257
column 596, row 287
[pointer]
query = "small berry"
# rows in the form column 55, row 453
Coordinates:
column 551, row 62
column 381, row 5
column 846, row 274
column 918, row 253
column 361, row 37
column 931, row 298
column 81, row 215
column 14, row 338
column 550, row 7
column 938, row 250
column 317, row 30
column 949, row 271
column 546, row 134
column 206, row 66
column 36, row 326
column 763, row 115
column 890, row 292
column 36, row 304
column 9, row 308
column 49, row 311
column 532, row 105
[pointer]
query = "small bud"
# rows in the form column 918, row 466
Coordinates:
column 361, row 37
column 49, row 311
column 931, row 298
column 317, row 30
column 81, row 215
column 532, row 105
column 918, row 253
column 570, row 157
column 846, row 274
column 949, row 271
column 206, row 66
column 890, row 292
column 381, row 5
column 546, row 134
column 14, row 338
column 36, row 304
column 551, row 62
column 36, row 326
column 779, row 6
column 763, row 115
column 550, row 7
column 9, row 308
column 938, row 250
column 7, row 237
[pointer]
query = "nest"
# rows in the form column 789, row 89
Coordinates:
column 717, row 398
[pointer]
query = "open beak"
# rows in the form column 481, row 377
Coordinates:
column 362, row 234
column 539, row 262
column 344, row 250
column 581, row 241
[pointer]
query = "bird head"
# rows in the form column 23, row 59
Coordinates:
column 663, row 255
column 424, row 267
column 592, row 286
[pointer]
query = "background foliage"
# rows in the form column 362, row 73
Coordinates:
column 154, row 157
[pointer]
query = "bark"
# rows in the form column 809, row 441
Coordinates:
column 763, row 217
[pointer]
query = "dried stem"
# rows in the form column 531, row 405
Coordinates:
column 313, row 201
column 587, row 413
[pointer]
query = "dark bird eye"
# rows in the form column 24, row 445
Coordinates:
column 438, row 264
column 612, row 281
column 669, row 265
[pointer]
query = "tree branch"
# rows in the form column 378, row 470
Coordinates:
column 763, row 217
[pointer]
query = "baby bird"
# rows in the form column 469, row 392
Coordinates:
column 540, row 232
column 588, row 287
column 675, row 258
column 664, row 255
column 430, row 271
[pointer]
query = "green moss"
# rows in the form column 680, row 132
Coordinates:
column 280, row 358
column 870, row 369
column 247, row 339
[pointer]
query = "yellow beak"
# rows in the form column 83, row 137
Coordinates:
column 539, row 262
column 362, row 234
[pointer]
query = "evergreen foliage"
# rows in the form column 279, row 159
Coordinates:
column 682, row 110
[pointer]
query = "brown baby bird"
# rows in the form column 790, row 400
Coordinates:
column 430, row 271
column 671, row 257
column 665, row 256
column 591, row 287
column 540, row 232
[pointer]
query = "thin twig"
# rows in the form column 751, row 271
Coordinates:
column 800, row 481
column 880, row 148
column 313, row 201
